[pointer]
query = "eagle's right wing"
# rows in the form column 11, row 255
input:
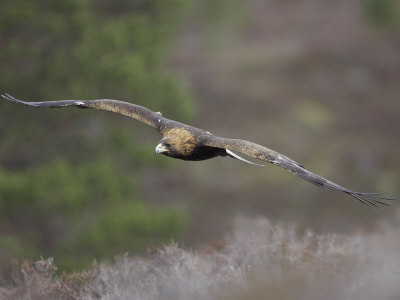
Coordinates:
column 134, row 111
column 265, row 154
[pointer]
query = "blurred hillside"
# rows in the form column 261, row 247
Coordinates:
column 315, row 80
column 69, row 179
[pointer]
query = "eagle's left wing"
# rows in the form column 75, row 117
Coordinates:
column 262, row 153
column 134, row 111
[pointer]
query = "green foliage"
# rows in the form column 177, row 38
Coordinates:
column 77, row 213
column 82, row 49
column 382, row 13
column 67, row 178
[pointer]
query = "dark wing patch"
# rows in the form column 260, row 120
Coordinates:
column 262, row 153
column 134, row 111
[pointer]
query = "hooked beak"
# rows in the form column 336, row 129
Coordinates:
column 160, row 149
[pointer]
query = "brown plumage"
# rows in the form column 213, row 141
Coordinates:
column 190, row 143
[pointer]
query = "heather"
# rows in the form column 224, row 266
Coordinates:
column 256, row 260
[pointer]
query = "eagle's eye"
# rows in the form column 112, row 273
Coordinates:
column 168, row 145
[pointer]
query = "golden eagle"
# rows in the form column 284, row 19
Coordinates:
column 190, row 143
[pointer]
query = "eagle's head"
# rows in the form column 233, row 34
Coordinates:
column 175, row 146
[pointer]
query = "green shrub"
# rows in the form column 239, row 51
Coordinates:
column 67, row 177
column 78, row 213
column 382, row 13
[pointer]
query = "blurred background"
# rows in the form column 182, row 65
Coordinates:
column 315, row 80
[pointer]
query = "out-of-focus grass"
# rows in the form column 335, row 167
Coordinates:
column 258, row 260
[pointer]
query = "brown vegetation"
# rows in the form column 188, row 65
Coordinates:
column 258, row 260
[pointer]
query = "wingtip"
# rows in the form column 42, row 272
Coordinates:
column 376, row 200
column 8, row 97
